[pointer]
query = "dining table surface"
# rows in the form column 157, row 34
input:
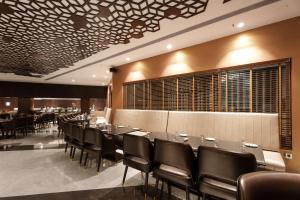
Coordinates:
column 193, row 141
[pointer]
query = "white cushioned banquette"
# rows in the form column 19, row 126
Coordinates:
column 148, row 120
column 258, row 128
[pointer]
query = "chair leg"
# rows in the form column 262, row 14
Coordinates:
column 169, row 190
column 125, row 172
column 203, row 196
column 99, row 162
column 66, row 147
column 74, row 150
column 81, row 155
column 146, row 184
column 156, row 188
column 71, row 151
column 187, row 192
column 85, row 160
column 161, row 189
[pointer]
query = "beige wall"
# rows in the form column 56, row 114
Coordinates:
column 276, row 41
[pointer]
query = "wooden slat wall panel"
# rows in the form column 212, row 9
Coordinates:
column 203, row 92
column 265, row 90
column 285, row 115
column 139, row 96
column 185, row 93
column 130, row 96
column 170, row 94
column 156, row 95
column 239, row 91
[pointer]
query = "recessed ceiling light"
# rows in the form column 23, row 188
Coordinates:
column 94, row 75
column 73, row 80
column 128, row 59
column 169, row 46
column 240, row 25
column 107, row 71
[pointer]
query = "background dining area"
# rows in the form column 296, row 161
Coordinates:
column 149, row 99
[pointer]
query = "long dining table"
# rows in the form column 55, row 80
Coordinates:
column 118, row 131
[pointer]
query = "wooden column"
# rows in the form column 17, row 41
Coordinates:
column 85, row 105
column 25, row 105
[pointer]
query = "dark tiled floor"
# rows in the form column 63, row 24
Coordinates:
column 119, row 193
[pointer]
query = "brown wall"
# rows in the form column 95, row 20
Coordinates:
column 271, row 42
column 55, row 103
column 13, row 104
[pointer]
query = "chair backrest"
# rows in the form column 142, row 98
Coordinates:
column 174, row 154
column 77, row 133
column 67, row 129
column 224, row 165
column 137, row 146
column 269, row 185
column 92, row 136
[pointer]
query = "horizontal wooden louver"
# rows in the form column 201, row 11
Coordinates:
column 203, row 92
column 156, row 94
column 222, row 91
column 185, row 93
column 238, row 91
column 265, row 90
column 285, row 110
column 170, row 94
column 130, row 96
column 139, row 95
column 215, row 92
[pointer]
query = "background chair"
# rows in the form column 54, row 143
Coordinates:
column 269, row 185
column 174, row 163
column 219, row 170
column 138, row 154
column 77, row 140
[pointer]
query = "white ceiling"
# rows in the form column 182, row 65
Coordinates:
column 215, row 22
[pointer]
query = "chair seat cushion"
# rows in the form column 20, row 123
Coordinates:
column 220, row 184
column 173, row 175
column 173, row 170
column 274, row 161
column 218, row 189
column 92, row 147
column 137, row 163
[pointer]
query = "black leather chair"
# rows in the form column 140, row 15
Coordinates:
column 269, row 185
column 219, row 170
column 9, row 129
column 98, row 144
column 67, row 130
column 138, row 154
column 174, row 163
column 21, row 125
column 77, row 140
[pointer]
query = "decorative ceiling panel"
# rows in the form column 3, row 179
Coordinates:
column 39, row 37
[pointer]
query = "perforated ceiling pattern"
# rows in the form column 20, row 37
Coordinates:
column 42, row 36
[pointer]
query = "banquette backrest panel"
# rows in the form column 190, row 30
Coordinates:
column 149, row 120
column 258, row 128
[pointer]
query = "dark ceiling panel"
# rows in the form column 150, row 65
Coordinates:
column 39, row 37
